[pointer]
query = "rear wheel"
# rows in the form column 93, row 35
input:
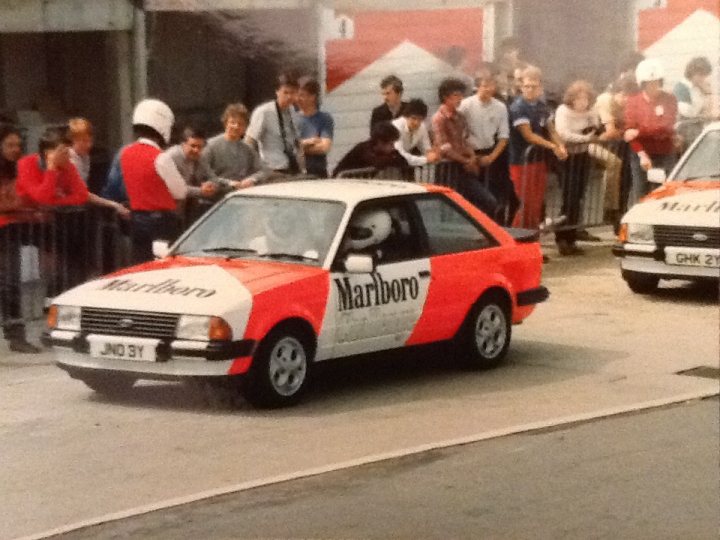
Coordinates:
column 280, row 372
column 485, row 337
column 640, row 283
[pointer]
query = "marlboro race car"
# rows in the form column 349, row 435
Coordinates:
column 674, row 232
column 277, row 278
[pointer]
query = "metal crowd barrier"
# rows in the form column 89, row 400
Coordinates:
column 47, row 251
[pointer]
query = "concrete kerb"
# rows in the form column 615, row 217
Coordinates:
column 375, row 458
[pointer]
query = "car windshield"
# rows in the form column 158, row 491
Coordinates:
column 704, row 159
column 272, row 228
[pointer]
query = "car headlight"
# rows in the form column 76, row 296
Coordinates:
column 64, row 317
column 203, row 328
column 640, row 233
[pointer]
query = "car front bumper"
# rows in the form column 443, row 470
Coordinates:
column 651, row 259
column 174, row 359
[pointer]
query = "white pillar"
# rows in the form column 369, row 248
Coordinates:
column 140, row 86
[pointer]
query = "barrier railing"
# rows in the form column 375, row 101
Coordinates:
column 46, row 251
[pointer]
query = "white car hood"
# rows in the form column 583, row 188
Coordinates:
column 192, row 290
column 700, row 208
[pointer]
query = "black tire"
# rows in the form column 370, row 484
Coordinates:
column 640, row 283
column 485, row 336
column 109, row 385
column 280, row 372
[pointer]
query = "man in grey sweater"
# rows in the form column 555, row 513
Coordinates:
column 234, row 163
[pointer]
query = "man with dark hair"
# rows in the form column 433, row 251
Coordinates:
column 508, row 63
column 273, row 130
column 316, row 128
column 693, row 96
column 414, row 142
column 391, row 89
column 377, row 152
column 451, row 136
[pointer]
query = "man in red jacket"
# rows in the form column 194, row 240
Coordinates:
column 650, row 117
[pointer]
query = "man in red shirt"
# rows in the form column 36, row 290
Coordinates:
column 650, row 117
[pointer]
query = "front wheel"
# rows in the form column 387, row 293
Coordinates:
column 485, row 338
column 280, row 372
column 640, row 283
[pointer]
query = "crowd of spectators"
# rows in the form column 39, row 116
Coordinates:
column 496, row 144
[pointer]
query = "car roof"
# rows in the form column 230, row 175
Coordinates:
column 347, row 190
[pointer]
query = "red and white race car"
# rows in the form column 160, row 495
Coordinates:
column 279, row 277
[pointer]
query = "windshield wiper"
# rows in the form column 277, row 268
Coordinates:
column 293, row 256
column 229, row 250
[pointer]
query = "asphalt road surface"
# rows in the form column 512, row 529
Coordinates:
column 70, row 458
column 649, row 475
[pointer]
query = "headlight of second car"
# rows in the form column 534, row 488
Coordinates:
column 640, row 233
column 64, row 318
column 203, row 327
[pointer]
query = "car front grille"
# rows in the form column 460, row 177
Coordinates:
column 668, row 235
column 119, row 322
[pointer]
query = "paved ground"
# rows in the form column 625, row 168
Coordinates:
column 653, row 475
column 70, row 457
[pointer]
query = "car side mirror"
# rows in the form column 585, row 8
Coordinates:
column 656, row 176
column 160, row 249
column 359, row 264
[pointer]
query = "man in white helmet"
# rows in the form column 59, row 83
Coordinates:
column 649, row 121
column 148, row 179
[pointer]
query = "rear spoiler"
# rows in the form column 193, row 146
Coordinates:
column 523, row 236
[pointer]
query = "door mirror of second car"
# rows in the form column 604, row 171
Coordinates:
column 656, row 176
column 359, row 264
column 160, row 249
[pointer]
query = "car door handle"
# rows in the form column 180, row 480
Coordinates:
column 424, row 273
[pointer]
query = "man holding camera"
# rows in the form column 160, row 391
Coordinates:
column 273, row 130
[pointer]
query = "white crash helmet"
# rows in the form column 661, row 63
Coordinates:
column 286, row 223
column 155, row 114
column 368, row 229
column 649, row 70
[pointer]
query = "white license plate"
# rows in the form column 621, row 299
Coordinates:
column 703, row 258
column 123, row 349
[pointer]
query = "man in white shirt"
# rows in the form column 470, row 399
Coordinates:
column 414, row 142
column 273, row 129
column 489, row 132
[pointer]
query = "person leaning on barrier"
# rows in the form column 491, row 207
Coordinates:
column 532, row 131
column 80, row 133
column 377, row 152
column 578, row 126
column 489, row 131
column 450, row 130
column 233, row 163
column 650, row 117
column 317, row 128
column 187, row 156
column 11, row 236
column 414, row 142
column 148, row 179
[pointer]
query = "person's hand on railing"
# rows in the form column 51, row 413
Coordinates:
column 560, row 151
column 121, row 210
column 433, row 156
column 471, row 165
column 208, row 189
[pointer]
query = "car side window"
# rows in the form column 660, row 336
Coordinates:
column 384, row 230
column 448, row 229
